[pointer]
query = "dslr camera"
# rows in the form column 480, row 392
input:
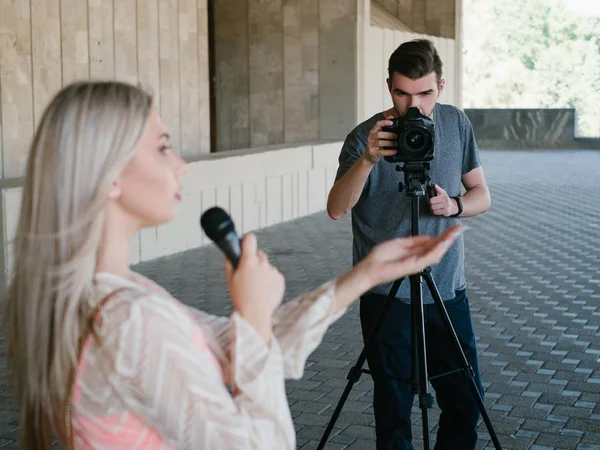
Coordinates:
column 415, row 137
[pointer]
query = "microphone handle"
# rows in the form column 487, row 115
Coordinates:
column 230, row 245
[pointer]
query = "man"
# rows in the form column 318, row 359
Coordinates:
column 367, row 185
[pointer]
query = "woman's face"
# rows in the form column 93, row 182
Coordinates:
column 149, row 187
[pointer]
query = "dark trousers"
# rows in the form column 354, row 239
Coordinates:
column 389, row 358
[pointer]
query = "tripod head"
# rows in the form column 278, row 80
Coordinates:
column 416, row 179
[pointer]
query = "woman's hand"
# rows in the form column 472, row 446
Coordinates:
column 400, row 257
column 256, row 287
column 392, row 260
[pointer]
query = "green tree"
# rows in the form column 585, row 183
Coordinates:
column 532, row 54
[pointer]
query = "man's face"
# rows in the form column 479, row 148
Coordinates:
column 422, row 93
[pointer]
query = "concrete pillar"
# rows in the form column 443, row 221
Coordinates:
column 301, row 70
column 337, row 67
column 363, row 23
column 286, row 71
column 458, row 59
column 432, row 17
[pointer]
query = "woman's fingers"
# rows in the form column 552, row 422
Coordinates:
column 228, row 270
column 451, row 233
column 430, row 248
column 440, row 245
column 249, row 247
column 425, row 243
column 417, row 241
column 262, row 257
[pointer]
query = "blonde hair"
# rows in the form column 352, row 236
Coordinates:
column 86, row 137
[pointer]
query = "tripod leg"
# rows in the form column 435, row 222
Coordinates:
column 356, row 370
column 419, row 355
column 466, row 367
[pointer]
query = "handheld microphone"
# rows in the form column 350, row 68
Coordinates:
column 219, row 227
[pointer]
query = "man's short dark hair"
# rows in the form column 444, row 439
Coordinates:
column 415, row 59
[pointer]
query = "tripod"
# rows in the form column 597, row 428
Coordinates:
column 416, row 175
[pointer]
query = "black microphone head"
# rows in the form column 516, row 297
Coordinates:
column 216, row 223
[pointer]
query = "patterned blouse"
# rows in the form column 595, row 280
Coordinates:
column 171, row 377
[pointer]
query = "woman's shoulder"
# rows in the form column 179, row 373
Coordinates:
column 135, row 299
column 135, row 324
column 106, row 281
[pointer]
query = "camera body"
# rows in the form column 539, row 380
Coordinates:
column 415, row 137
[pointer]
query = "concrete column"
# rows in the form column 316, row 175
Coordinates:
column 232, row 90
column 363, row 20
column 301, row 70
column 458, row 59
column 286, row 71
column 265, row 39
column 432, row 17
column 337, row 67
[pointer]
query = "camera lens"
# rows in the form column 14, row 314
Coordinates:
column 415, row 140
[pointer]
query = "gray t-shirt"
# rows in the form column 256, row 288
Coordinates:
column 383, row 213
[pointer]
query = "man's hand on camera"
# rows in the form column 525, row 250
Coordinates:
column 379, row 139
column 442, row 204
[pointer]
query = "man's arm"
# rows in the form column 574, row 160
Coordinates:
column 346, row 191
column 477, row 199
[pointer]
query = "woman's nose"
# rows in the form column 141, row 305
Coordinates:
column 180, row 166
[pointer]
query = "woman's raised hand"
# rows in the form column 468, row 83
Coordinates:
column 400, row 257
column 392, row 260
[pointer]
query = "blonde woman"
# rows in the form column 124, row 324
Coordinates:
column 105, row 358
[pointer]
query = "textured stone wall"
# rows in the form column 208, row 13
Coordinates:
column 47, row 44
column 285, row 71
column 528, row 128
column 432, row 17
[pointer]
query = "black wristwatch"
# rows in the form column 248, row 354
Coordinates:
column 460, row 207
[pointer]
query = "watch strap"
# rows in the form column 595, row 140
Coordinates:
column 460, row 206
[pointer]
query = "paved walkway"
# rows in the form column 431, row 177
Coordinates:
column 534, row 285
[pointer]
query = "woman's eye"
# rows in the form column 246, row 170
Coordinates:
column 164, row 149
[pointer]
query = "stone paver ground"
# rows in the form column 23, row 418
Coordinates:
column 532, row 265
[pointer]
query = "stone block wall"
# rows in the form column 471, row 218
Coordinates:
column 528, row 128
column 46, row 44
column 432, row 17
column 285, row 71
